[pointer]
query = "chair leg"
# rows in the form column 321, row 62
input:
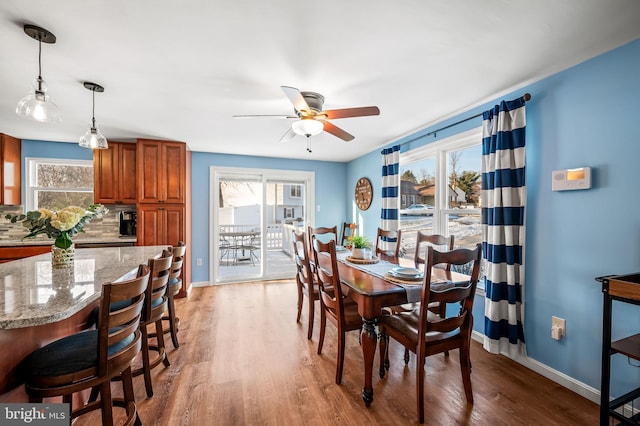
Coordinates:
column 173, row 322
column 146, row 368
column 465, row 368
column 311, row 314
column 128, row 393
column 323, row 326
column 340, row 363
column 162, row 351
column 420, row 358
column 300, row 297
column 105, row 403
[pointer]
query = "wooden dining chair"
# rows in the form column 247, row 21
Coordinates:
column 91, row 359
column 423, row 240
column 433, row 240
column 327, row 232
column 155, row 306
column 305, row 279
column 334, row 304
column 348, row 231
column 389, row 236
column 426, row 333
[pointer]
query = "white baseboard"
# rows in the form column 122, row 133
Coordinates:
column 560, row 378
column 200, row 284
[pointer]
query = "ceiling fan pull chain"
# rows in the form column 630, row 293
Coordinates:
column 308, row 144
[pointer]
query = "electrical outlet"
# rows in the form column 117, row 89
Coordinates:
column 558, row 328
column 199, row 261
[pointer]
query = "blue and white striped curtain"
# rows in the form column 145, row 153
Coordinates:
column 504, row 196
column 390, row 199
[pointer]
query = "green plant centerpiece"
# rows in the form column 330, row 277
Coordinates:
column 361, row 247
column 59, row 225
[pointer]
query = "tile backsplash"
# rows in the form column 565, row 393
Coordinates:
column 104, row 228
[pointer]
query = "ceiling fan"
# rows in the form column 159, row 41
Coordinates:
column 312, row 119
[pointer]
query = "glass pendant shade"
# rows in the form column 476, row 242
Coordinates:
column 37, row 105
column 93, row 139
column 307, row 127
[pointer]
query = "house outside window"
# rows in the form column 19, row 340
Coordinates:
column 57, row 183
column 295, row 191
column 289, row 212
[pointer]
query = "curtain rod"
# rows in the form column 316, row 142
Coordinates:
column 526, row 97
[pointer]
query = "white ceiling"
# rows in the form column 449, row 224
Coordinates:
column 180, row 70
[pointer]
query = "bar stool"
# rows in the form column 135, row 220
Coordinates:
column 155, row 306
column 175, row 285
column 91, row 359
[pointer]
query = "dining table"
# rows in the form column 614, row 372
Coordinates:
column 40, row 303
column 373, row 287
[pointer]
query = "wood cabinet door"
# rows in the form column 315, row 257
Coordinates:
column 105, row 174
column 160, row 224
column 10, row 166
column 174, row 224
column 173, row 164
column 161, row 171
column 127, row 177
column 148, row 166
column 150, row 225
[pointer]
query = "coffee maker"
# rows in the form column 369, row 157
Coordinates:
column 127, row 224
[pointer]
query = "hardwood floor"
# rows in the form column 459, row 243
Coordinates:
column 243, row 360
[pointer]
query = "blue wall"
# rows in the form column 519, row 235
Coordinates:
column 588, row 115
column 330, row 195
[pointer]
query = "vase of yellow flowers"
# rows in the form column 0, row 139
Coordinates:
column 60, row 225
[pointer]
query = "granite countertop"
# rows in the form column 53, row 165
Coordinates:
column 32, row 293
column 78, row 240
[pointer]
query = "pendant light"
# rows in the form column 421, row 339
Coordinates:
column 37, row 105
column 93, row 138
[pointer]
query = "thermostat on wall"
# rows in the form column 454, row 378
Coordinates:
column 570, row 179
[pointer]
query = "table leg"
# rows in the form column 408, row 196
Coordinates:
column 369, row 340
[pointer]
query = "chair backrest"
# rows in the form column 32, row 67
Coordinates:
column 432, row 240
column 156, row 297
column 119, row 330
column 328, row 276
column 304, row 276
column 175, row 271
column 348, row 230
column 460, row 293
column 388, row 235
column 322, row 230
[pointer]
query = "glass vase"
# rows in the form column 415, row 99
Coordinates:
column 62, row 258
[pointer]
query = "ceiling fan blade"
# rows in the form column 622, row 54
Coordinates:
column 264, row 116
column 337, row 131
column 296, row 98
column 290, row 134
column 351, row 112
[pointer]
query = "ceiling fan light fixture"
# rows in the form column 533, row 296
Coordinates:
column 37, row 105
column 307, row 127
column 93, row 138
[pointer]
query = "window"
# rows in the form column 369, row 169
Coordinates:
column 58, row 183
column 295, row 191
column 288, row 212
column 445, row 175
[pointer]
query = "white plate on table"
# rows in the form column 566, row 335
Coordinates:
column 406, row 273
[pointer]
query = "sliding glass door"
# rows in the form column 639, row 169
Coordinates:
column 253, row 213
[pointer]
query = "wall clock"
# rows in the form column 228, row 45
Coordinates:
column 363, row 193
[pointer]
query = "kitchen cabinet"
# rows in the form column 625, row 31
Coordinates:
column 160, row 224
column 161, row 171
column 10, row 161
column 622, row 288
column 115, row 180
